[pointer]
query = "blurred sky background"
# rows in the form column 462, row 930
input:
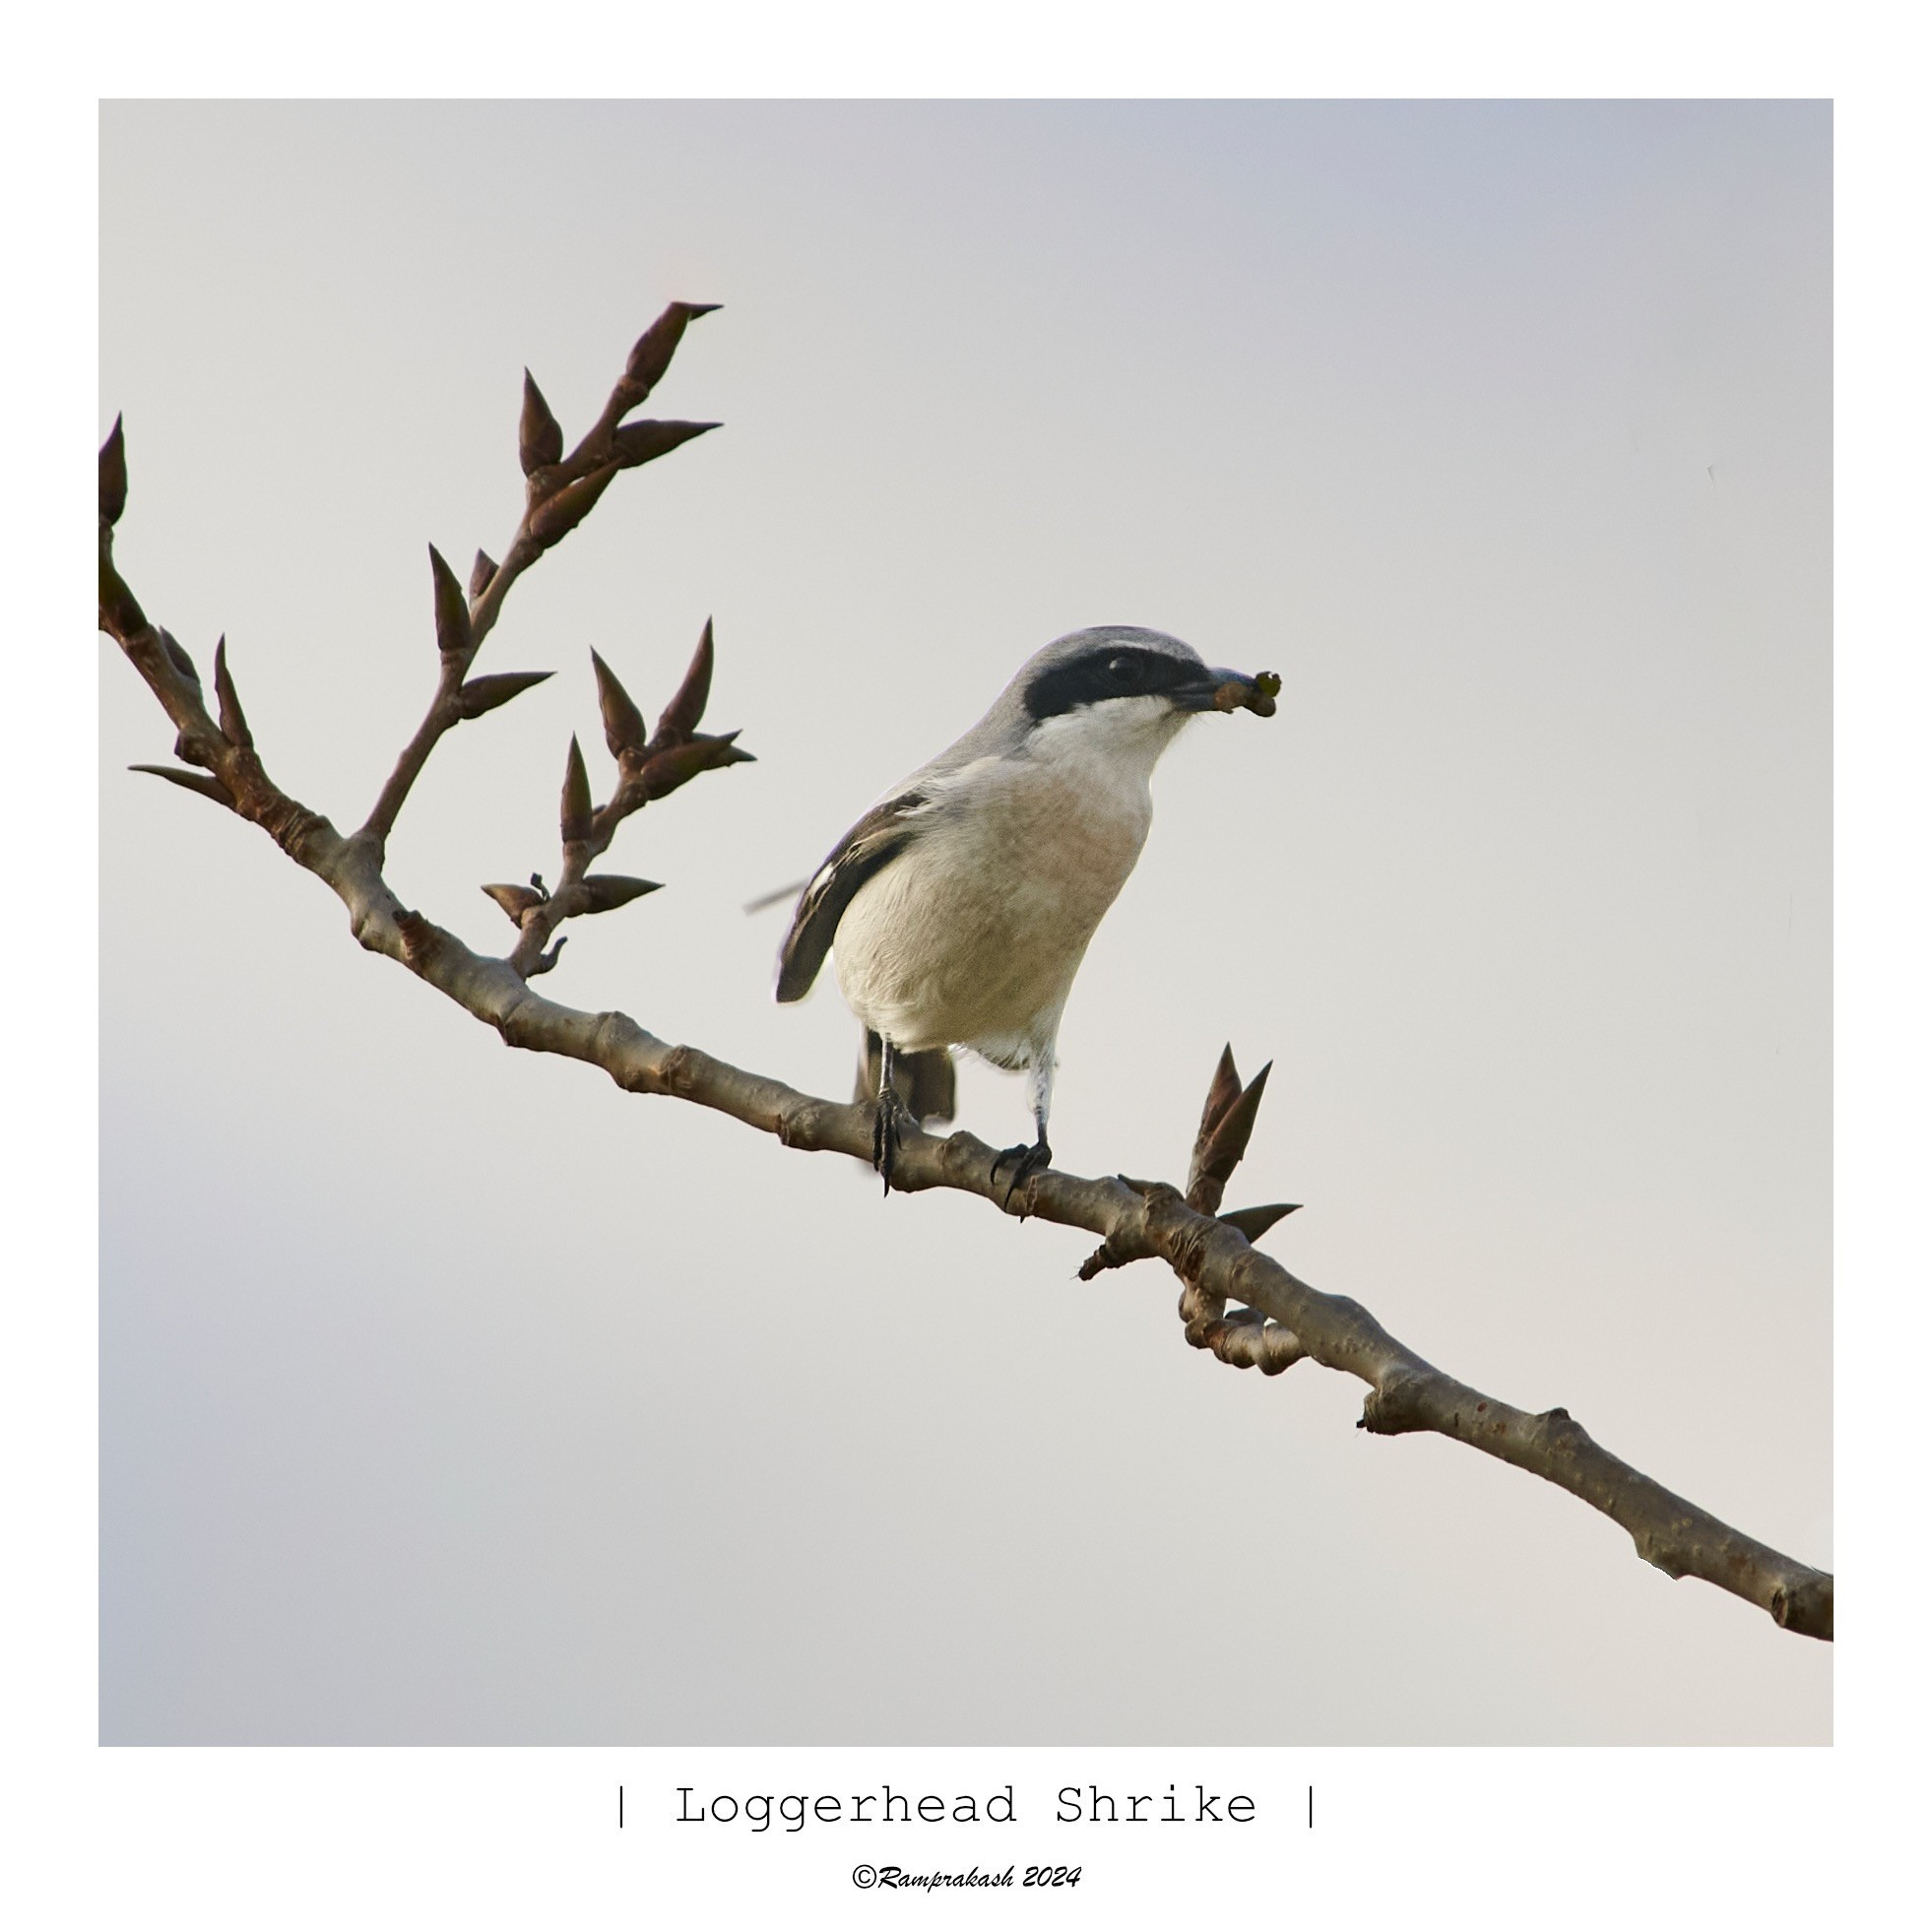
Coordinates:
column 450, row 1395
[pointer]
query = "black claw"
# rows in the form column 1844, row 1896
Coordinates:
column 1028, row 1161
column 886, row 1137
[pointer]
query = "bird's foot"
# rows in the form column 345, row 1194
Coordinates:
column 886, row 1118
column 1027, row 1162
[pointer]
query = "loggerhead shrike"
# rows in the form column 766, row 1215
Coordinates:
column 959, row 908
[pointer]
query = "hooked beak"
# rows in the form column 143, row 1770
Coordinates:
column 1230, row 690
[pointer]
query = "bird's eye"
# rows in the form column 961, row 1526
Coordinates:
column 1123, row 670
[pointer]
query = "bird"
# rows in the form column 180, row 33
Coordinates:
column 959, row 907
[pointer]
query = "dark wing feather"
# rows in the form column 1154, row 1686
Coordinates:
column 872, row 844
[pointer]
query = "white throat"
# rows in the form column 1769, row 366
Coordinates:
column 1116, row 742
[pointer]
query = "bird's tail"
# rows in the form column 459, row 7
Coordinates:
column 923, row 1080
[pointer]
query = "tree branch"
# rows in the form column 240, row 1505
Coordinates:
column 1278, row 1319
column 648, row 768
column 558, row 494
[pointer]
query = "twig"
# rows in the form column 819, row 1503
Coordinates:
column 648, row 768
column 559, row 493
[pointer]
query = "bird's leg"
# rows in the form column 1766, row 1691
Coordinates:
column 885, row 1118
column 1028, row 1161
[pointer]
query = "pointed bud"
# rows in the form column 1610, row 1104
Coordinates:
column 1226, row 1122
column 680, row 716
column 234, row 727
column 669, row 769
column 481, row 572
column 539, row 436
column 557, row 516
column 1222, row 1093
column 655, row 348
column 453, row 639
column 1228, row 1143
column 191, row 781
column 1231, row 1134
column 483, row 694
column 575, row 814
column 624, row 722
column 632, row 443
column 516, row 900
column 113, row 475
column 609, row 890
column 1255, row 1222
column 120, row 613
column 179, row 658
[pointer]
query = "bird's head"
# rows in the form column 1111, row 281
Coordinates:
column 1129, row 685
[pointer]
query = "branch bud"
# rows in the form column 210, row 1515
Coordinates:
column 557, row 516
column 483, row 694
column 113, row 475
column 453, row 637
column 516, row 900
column 234, row 727
column 655, row 348
column 539, row 436
column 1102, row 1258
column 678, row 764
column 191, row 781
column 481, row 572
column 1255, row 1222
column 624, row 722
column 609, row 890
column 632, row 443
column 120, row 612
column 575, row 813
column 1226, row 1122
column 680, row 719
column 1222, row 1093
column 178, row 658
column 1229, row 1141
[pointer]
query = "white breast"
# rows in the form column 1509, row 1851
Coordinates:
column 972, row 935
